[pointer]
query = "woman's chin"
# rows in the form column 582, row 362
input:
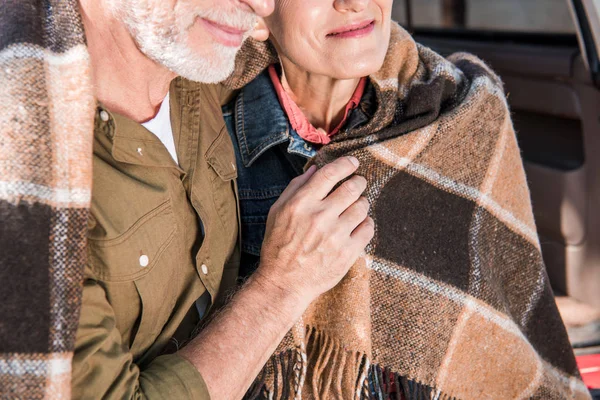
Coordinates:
column 353, row 69
column 356, row 63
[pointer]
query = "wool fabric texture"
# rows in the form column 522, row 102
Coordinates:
column 46, row 130
column 452, row 300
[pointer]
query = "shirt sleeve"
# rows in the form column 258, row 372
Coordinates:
column 103, row 367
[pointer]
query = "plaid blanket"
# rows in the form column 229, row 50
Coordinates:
column 452, row 300
column 46, row 130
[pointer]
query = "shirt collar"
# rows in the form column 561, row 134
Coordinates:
column 130, row 142
column 298, row 120
column 261, row 122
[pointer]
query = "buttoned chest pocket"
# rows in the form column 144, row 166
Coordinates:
column 221, row 158
column 133, row 269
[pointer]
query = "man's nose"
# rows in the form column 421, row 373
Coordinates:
column 262, row 8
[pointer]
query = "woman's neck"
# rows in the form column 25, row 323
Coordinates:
column 322, row 99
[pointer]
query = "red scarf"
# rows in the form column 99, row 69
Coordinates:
column 298, row 120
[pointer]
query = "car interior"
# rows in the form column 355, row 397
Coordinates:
column 545, row 51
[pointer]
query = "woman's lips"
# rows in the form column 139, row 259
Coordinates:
column 224, row 34
column 354, row 30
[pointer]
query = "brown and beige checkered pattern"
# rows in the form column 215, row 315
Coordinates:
column 452, row 300
column 46, row 127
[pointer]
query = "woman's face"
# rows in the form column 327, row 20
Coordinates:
column 341, row 39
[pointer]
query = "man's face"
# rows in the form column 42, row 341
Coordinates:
column 197, row 39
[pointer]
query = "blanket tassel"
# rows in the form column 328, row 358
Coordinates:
column 285, row 375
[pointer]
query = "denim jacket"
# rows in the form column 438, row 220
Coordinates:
column 269, row 154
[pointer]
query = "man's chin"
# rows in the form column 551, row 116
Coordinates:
column 211, row 65
column 207, row 77
column 213, row 68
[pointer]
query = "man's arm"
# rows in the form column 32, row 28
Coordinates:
column 312, row 239
column 231, row 351
column 103, row 366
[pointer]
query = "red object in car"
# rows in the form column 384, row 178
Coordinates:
column 589, row 366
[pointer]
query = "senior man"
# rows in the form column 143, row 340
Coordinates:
column 163, row 236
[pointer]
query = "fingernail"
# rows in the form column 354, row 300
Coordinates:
column 354, row 161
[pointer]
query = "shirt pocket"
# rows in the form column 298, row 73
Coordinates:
column 137, row 251
column 221, row 158
column 129, row 267
column 221, row 240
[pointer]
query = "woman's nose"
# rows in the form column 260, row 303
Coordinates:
column 350, row 5
column 262, row 8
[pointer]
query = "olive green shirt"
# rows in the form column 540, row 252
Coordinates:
column 160, row 236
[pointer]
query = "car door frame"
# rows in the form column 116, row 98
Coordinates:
column 586, row 15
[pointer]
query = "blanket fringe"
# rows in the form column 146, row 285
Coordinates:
column 288, row 369
column 383, row 384
column 285, row 374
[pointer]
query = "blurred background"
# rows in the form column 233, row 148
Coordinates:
column 535, row 16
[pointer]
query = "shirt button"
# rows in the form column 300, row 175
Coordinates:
column 144, row 260
column 204, row 269
column 104, row 116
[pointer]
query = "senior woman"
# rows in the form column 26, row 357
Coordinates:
column 452, row 299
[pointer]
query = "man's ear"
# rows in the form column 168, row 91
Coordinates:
column 260, row 32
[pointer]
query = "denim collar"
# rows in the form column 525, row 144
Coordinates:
column 261, row 123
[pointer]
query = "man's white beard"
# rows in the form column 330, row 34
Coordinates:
column 179, row 58
column 162, row 35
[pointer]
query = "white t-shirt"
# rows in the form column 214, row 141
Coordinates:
column 160, row 126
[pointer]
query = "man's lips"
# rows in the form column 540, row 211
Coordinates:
column 353, row 30
column 227, row 35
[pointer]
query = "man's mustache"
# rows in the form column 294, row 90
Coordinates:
column 238, row 19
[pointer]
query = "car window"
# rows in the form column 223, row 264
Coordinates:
column 527, row 16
